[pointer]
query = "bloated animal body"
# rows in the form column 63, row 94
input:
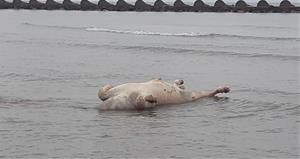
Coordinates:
column 149, row 95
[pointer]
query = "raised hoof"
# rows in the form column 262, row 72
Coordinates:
column 223, row 89
column 179, row 82
column 181, row 87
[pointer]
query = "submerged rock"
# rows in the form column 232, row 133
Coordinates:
column 18, row 4
column 51, row 4
column 140, row 5
column 179, row 6
column 34, row 4
column 69, row 5
column 104, row 5
column 5, row 5
column 87, row 5
column 121, row 5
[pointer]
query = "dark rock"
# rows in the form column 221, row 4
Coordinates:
column 34, row 4
column 87, row 5
column 199, row 5
column 18, row 4
column 104, row 5
column 241, row 4
column 263, row 4
column 264, row 7
column 51, row 4
column 69, row 5
column 286, row 4
column 220, row 4
column 121, row 5
column 5, row 5
column 140, row 5
column 179, row 6
column 287, row 7
column 159, row 5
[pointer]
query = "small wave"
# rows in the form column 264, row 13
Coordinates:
column 267, row 27
column 276, row 130
column 105, row 136
column 53, row 26
column 213, row 52
column 146, row 32
column 158, row 49
column 8, row 100
column 191, row 34
column 31, row 77
column 297, row 107
column 141, row 32
column 17, row 101
column 12, row 120
column 244, row 107
column 267, row 91
column 15, row 75
column 239, row 116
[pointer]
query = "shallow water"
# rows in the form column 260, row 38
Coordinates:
column 52, row 64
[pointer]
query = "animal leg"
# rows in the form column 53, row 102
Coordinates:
column 179, row 84
column 150, row 99
column 221, row 89
column 102, row 94
column 143, row 102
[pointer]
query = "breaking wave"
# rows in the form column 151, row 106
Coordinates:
column 183, row 34
column 191, row 34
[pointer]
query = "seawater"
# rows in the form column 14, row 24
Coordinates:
column 52, row 64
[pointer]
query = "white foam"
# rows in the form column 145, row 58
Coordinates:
column 141, row 32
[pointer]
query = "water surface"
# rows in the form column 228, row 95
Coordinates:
column 52, row 64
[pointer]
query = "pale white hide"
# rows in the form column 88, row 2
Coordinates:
column 148, row 95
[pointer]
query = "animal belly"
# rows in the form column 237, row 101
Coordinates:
column 117, row 103
column 168, row 97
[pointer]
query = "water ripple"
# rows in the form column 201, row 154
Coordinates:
column 142, row 32
column 239, row 116
column 163, row 49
